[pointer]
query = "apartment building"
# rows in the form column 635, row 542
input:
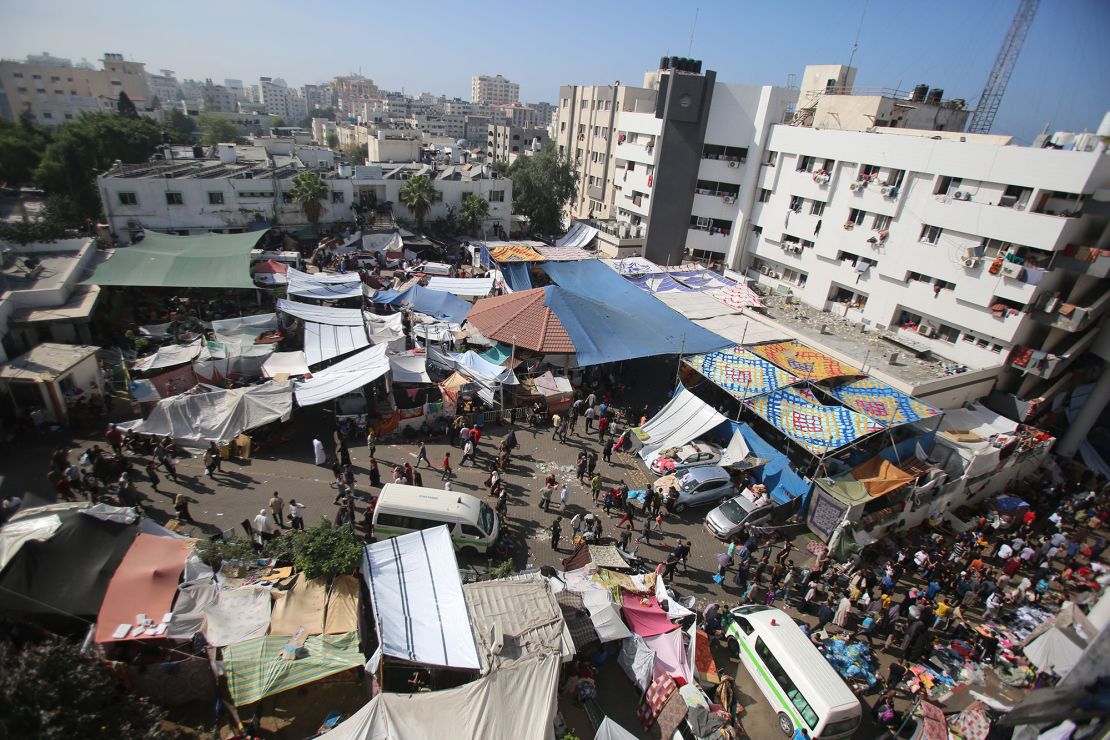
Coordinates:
column 281, row 100
column 959, row 246
column 350, row 92
column 493, row 90
column 218, row 98
column 515, row 114
column 54, row 90
column 505, row 143
column 165, row 87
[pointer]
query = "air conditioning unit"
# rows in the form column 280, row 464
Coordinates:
column 886, row 190
column 971, row 262
column 926, row 330
column 734, row 165
column 854, row 186
column 729, row 199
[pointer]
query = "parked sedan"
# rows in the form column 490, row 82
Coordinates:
column 692, row 455
column 727, row 519
column 697, row 487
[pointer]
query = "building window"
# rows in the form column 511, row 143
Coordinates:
column 856, row 216
column 796, row 203
column 215, row 199
column 764, row 195
column 174, row 199
column 47, row 115
column 497, row 196
column 336, row 196
column 880, row 223
column 128, row 199
column 817, row 207
column 771, row 157
column 930, row 234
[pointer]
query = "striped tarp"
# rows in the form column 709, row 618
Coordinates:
column 256, row 669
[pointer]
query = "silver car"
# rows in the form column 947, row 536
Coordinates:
column 700, row 487
column 727, row 519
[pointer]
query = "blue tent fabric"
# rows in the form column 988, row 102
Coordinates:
column 783, row 484
column 435, row 303
column 517, row 275
column 908, row 447
column 387, row 296
column 623, row 322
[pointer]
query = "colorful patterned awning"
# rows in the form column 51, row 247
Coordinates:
column 820, row 429
column 803, row 361
column 738, row 296
column 740, row 373
column 886, row 405
column 515, row 253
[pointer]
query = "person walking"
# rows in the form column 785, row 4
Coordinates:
column 170, row 465
column 645, row 531
column 216, row 456
column 422, row 455
column 446, row 466
column 602, row 428
column 607, row 502
column 556, row 532
column 152, row 474
column 556, row 423
column 580, row 471
column 607, row 451
column 564, row 496
column 590, row 415
column 211, row 461
column 824, row 615
column 261, row 527
column 181, row 508
column 372, row 441
column 319, row 454
column 842, row 611
column 296, row 514
column 575, row 526
column 468, row 453
column 545, row 495
column 595, row 487
column 277, row 508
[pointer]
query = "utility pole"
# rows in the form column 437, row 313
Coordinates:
column 991, row 97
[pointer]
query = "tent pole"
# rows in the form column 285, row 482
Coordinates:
column 678, row 367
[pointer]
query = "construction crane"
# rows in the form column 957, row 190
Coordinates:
column 991, row 97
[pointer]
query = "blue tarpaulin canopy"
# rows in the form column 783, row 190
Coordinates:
column 783, row 484
column 517, row 275
column 608, row 319
column 434, row 303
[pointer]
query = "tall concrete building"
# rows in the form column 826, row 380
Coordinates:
column 54, row 90
column 278, row 99
column 493, row 90
column 351, row 93
column 505, row 143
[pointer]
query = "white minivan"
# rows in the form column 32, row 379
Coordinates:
column 401, row 509
column 793, row 675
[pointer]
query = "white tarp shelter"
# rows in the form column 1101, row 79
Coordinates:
column 321, row 314
column 736, row 451
column 323, row 341
column 632, row 266
column 695, row 305
column 1055, row 646
column 323, row 286
column 253, row 326
column 605, row 615
column 195, row 419
column 420, row 612
column 170, row 355
column 285, row 363
column 523, row 614
column 580, row 235
column 15, row 534
column 517, row 702
column 462, row 286
column 977, row 419
column 385, row 328
column 409, row 369
column 742, row 330
column 637, row 660
column 343, row 377
column 685, row 417
column 237, row 615
column 610, row 730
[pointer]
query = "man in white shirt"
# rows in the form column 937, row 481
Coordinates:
column 296, row 514
column 261, row 526
column 1004, row 552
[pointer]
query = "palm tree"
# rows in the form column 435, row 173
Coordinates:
column 474, row 211
column 309, row 190
column 417, row 195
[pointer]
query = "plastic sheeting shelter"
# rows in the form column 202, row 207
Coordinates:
column 462, row 286
column 524, row 612
column 321, row 314
column 144, row 583
column 343, row 377
column 323, row 286
column 1056, row 646
column 409, row 369
column 685, row 417
column 323, row 341
column 783, row 484
column 610, row 730
column 418, row 602
column 742, row 330
column 169, row 261
column 880, row 477
column 285, row 364
column 170, row 355
column 518, row 702
column 435, row 303
column 196, row 419
column 579, row 235
column 517, row 276
column 741, row 373
column 818, row 428
column 256, row 669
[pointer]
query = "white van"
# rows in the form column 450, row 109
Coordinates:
column 402, row 509
column 793, row 675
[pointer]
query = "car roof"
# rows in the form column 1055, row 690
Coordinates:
column 744, row 503
column 709, row 472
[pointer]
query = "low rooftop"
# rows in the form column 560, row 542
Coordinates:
column 46, row 362
column 22, row 269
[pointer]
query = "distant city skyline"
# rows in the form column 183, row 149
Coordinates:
column 1061, row 78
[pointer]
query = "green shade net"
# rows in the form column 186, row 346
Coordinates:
column 167, row 261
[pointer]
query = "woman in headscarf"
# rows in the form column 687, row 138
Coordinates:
column 842, row 611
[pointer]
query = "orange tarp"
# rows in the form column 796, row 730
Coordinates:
column 880, row 476
column 145, row 583
column 803, row 361
column 515, row 253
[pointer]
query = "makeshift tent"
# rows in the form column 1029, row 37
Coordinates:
column 435, row 303
column 742, row 330
column 168, row 261
column 497, row 354
column 685, row 417
column 515, row 253
column 522, row 319
column 251, row 326
column 631, row 265
column 659, row 283
column 518, row 702
column 644, row 616
column 637, row 660
column 880, row 476
column 818, row 428
column 976, row 419
column 670, row 656
column 475, row 367
column 605, row 615
column 343, row 377
column 323, row 342
column 803, row 361
column 195, row 419
column 321, row 314
column 702, row 279
column 740, row 373
column 144, row 583
column 783, row 484
column 579, row 235
column 524, row 616
column 518, row 276
column 417, row 600
column 285, row 364
column 462, row 286
column 300, row 606
column 323, row 286
column 256, row 668
column 696, row 305
column 886, row 405
column 409, row 369
column 611, row 327
column 738, row 297
column 342, row 609
column 1056, row 650
column 236, row 616
column 610, row 730
column 385, row 328
column 270, row 272
column 170, row 355
column 563, row 253
column 15, row 534
column 193, row 598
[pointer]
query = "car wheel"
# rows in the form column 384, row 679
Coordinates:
column 679, row 508
column 468, row 551
column 733, row 647
column 785, row 724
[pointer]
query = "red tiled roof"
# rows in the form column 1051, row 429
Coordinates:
column 522, row 319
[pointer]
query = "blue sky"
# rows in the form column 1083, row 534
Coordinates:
column 1061, row 77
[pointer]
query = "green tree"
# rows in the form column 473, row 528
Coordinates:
column 182, row 127
column 89, row 145
column 308, row 190
column 326, row 551
column 543, row 185
column 417, row 195
column 217, row 130
column 333, row 141
column 50, row 692
column 473, row 213
column 357, row 153
column 57, row 220
column 21, row 147
column 278, row 122
column 125, row 107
